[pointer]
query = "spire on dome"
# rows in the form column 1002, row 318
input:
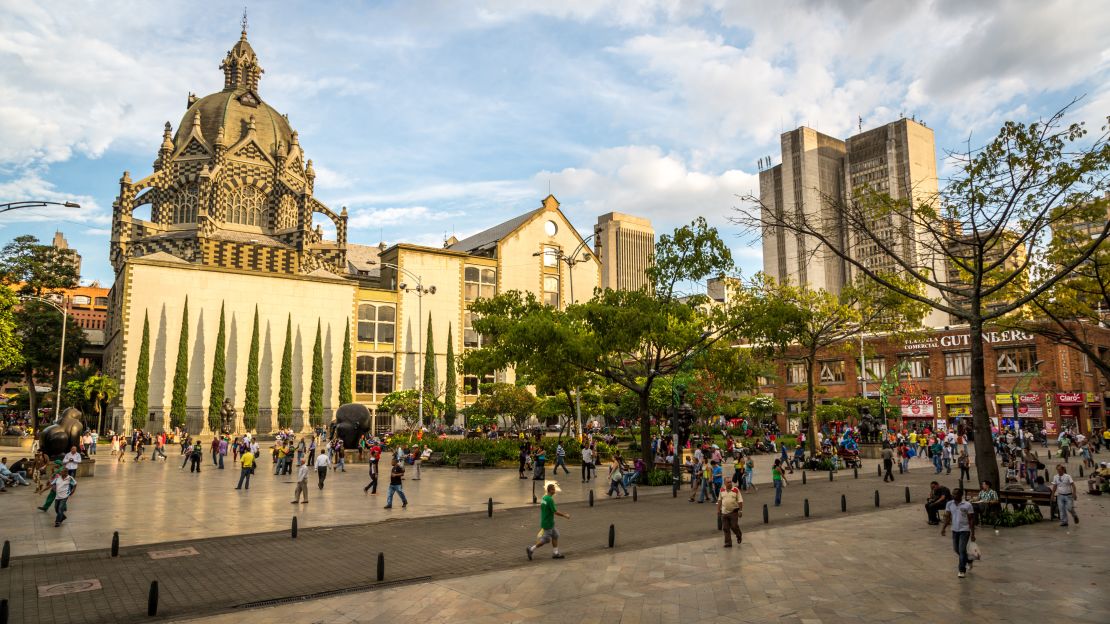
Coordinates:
column 240, row 66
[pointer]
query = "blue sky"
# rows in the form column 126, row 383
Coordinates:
column 432, row 118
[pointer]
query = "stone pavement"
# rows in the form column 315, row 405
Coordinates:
column 228, row 573
column 877, row 567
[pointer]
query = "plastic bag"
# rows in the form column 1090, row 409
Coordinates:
column 973, row 551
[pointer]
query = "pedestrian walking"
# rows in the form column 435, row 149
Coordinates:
column 322, row 462
column 961, row 515
column 522, row 459
column 587, row 464
column 159, row 444
column 730, row 506
column 302, row 483
column 779, row 480
column 195, row 457
column 64, row 485
column 616, row 479
column 1063, row 489
column 215, row 449
column 396, row 474
column 246, row 469
column 560, row 459
column 416, row 460
column 372, row 487
column 963, row 462
column 222, row 451
column 888, row 463
column 548, row 532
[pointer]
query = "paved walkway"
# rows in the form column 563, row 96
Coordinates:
column 877, row 567
column 228, row 573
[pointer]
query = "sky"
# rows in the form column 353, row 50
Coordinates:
column 432, row 118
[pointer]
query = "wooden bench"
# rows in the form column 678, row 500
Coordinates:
column 471, row 460
column 436, row 458
column 1023, row 497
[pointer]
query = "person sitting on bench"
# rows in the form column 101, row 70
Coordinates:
column 937, row 502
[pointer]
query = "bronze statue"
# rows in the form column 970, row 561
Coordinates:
column 227, row 416
column 351, row 422
column 56, row 439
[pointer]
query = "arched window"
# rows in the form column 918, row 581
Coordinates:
column 246, row 206
column 287, row 213
column 184, row 208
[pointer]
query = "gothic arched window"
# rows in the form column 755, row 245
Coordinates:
column 184, row 207
column 246, row 206
column 287, row 213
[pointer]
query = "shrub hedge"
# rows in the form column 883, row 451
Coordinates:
column 507, row 450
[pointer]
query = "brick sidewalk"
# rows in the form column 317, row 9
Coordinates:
column 232, row 572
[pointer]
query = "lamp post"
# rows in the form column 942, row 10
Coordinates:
column 572, row 260
column 61, row 355
column 420, row 291
column 1019, row 388
column 36, row 204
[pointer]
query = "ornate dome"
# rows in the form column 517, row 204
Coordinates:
column 226, row 116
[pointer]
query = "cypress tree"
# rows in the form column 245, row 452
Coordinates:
column 141, row 400
column 250, row 394
column 316, row 390
column 285, row 391
column 429, row 367
column 181, row 373
column 345, row 368
column 219, row 364
column 449, row 407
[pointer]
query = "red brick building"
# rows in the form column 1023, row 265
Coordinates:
column 1058, row 386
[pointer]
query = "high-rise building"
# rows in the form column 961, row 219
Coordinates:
column 817, row 173
column 60, row 242
column 625, row 245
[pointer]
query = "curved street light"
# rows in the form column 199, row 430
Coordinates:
column 420, row 291
column 36, row 204
column 61, row 355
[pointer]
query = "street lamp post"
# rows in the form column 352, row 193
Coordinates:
column 420, row 291
column 572, row 260
column 61, row 355
column 36, row 204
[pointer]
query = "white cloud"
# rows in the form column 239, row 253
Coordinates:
column 29, row 186
column 358, row 219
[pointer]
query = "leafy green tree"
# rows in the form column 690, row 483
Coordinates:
column 429, row 367
column 631, row 338
column 30, row 268
column 987, row 226
column 450, row 408
column 406, row 404
column 140, row 400
column 345, row 395
column 285, row 389
column 219, row 375
column 11, row 348
column 316, row 390
column 181, row 373
column 250, row 393
column 512, row 403
column 100, row 391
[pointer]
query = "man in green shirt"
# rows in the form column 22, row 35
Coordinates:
column 548, row 532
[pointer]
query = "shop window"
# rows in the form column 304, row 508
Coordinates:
column 957, row 364
column 796, row 373
column 831, row 371
column 1015, row 360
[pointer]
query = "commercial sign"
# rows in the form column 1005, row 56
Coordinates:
column 1070, row 398
column 1030, row 405
column 1031, row 398
column 957, row 399
column 1094, row 398
column 917, row 407
column 963, row 340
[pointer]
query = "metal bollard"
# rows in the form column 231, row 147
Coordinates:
column 115, row 544
column 1050, row 453
column 900, row 471
column 612, row 535
column 1081, row 471
column 876, row 498
column 152, row 600
column 489, row 507
column 843, row 503
column 6, row 556
column 674, row 490
column 855, row 473
column 806, row 507
column 381, row 567
column 803, row 476
column 830, row 475
column 907, row 493
column 880, row 470
column 4, row 611
column 765, row 519
column 294, row 527
column 591, row 498
column 634, row 494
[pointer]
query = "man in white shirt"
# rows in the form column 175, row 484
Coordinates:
column 587, row 464
column 729, row 506
column 302, row 482
column 64, row 486
column 961, row 515
column 322, row 463
column 1063, row 488
column 71, row 460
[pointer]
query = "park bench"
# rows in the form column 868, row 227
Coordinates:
column 471, row 460
column 850, row 458
column 436, row 458
column 1023, row 497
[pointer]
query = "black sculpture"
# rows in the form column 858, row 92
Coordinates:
column 868, row 429
column 227, row 416
column 351, row 422
column 56, row 439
